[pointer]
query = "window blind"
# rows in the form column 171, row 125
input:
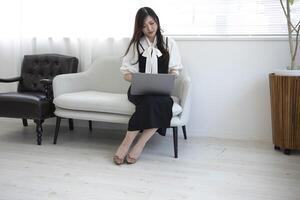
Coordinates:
column 115, row 18
column 223, row 17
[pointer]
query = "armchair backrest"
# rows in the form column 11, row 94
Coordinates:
column 44, row 66
column 104, row 75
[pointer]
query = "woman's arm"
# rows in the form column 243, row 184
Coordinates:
column 175, row 65
column 129, row 64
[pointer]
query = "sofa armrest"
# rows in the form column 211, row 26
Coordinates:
column 10, row 80
column 68, row 83
column 185, row 98
column 48, row 90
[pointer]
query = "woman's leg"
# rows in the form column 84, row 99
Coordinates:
column 124, row 147
column 139, row 146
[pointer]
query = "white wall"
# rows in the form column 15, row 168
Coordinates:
column 230, row 85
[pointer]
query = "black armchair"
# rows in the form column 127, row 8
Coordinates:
column 33, row 99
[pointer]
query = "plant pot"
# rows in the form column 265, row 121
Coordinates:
column 287, row 72
column 285, row 111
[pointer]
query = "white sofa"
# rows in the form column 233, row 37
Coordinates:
column 100, row 94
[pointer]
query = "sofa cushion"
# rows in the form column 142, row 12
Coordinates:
column 102, row 102
column 32, row 105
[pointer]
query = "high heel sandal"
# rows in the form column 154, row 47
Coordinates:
column 131, row 160
column 117, row 160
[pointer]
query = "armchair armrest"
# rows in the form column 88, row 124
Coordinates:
column 68, row 83
column 47, row 83
column 10, row 80
column 185, row 98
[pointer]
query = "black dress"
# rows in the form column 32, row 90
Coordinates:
column 151, row 111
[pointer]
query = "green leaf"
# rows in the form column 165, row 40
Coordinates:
column 291, row 2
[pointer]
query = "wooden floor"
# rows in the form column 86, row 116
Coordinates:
column 80, row 167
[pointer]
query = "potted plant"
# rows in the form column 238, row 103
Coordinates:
column 285, row 92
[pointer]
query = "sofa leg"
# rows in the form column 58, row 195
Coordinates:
column 58, row 119
column 184, row 132
column 25, row 123
column 175, row 140
column 39, row 131
column 71, row 124
column 90, row 125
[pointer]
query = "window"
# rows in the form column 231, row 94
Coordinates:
column 223, row 17
column 115, row 18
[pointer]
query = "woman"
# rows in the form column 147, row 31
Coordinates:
column 148, row 52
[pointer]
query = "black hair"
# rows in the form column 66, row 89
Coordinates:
column 140, row 17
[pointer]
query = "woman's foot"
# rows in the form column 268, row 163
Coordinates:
column 135, row 153
column 123, row 148
column 121, row 153
column 130, row 160
column 117, row 160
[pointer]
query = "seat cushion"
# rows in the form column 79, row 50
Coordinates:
column 32, row 105
column 102, row 102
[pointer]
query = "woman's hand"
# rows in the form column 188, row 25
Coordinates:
column 174, row 72
column 128, row 76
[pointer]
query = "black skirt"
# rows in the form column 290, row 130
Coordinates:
column 151, row 111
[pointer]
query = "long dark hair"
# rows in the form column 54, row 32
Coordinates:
column 140, row 17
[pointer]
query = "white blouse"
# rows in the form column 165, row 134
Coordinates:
column 129, row 61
